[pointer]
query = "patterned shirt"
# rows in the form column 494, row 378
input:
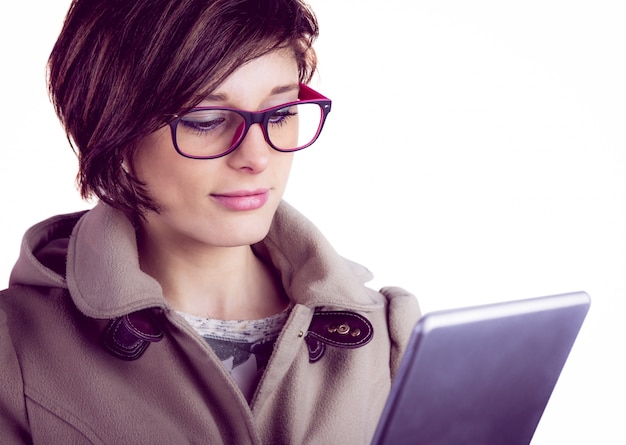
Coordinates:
column 243, row 346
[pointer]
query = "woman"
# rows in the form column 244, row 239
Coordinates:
column 191, row 304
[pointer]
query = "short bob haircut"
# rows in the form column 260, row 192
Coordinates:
column 121, row 69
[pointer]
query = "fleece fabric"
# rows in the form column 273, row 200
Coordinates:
column 77, row 272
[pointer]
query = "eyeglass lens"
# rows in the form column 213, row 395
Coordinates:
column 213, row 132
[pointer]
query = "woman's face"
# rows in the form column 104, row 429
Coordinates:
column 228, row 201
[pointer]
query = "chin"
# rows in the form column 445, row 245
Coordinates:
column 246, row 239
column 247, row 232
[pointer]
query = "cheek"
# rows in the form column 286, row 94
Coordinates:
column 151, row 155
column 163, row 171
column 283, row 166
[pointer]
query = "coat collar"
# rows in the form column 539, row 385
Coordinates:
column 103, row 273
column 105, row 281
column 312, row 272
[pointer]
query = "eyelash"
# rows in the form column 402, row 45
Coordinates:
column 282, row 118
column 197, row 126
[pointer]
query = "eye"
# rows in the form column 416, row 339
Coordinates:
column 281, row 116
column 204, row 121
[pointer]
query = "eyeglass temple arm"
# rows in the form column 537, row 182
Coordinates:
column 308, row 93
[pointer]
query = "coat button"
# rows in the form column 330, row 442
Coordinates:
column 343, row 329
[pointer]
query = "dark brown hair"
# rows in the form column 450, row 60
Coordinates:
column 121, row 68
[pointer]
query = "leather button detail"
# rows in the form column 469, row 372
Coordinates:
column 341, row 329
column 127, row 337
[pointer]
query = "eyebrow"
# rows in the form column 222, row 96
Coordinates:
column 221, row 97
column 285, row 88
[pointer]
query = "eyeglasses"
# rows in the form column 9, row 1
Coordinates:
column 213, row 132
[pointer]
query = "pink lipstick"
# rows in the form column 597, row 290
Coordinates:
column 243, row 199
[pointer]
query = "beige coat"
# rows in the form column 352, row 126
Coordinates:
column 157, row 381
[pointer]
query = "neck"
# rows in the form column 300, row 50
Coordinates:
column 228, row 283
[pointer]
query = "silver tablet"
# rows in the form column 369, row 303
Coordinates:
column 481, row 375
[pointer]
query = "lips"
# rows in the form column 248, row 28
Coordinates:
column 242, row 200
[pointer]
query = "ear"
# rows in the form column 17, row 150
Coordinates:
column 126, row 164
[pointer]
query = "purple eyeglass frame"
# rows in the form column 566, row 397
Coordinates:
column 262, row 117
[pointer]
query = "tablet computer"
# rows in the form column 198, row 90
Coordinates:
column 483, row 374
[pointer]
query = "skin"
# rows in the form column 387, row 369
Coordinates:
column 197, row 248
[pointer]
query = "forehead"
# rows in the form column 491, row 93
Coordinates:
column 273, row 74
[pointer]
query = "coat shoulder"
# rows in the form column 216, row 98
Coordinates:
column 403, row 312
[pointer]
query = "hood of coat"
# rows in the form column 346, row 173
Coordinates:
column 94, row 255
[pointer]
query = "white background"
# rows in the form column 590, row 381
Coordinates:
column 475, row 153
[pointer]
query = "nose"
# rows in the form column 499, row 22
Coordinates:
column 253, row 153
